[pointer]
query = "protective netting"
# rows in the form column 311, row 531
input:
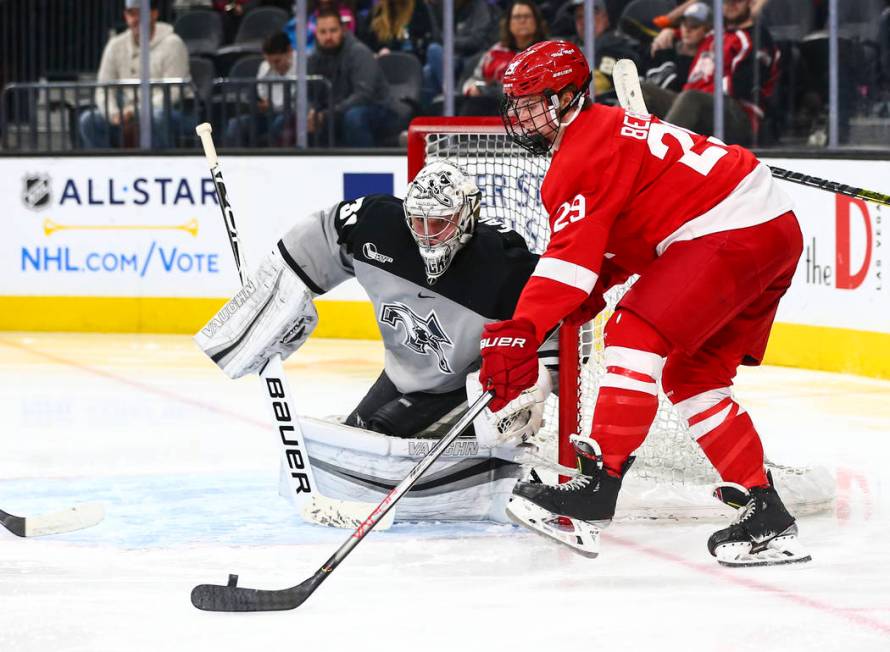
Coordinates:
column 671, row 476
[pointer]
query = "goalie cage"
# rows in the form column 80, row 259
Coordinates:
column 671, row 478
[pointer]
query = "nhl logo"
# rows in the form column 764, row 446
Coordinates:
column 37, row 191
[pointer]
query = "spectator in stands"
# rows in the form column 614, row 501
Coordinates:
column 521, row 27
column 115, row 118
column 672, row 18
column 400, row 26
column 278, row 64
column 611, row 45
column 347, row 20
column 364, row 110
column 693, row 108
column 474, row 30
column 672, row 57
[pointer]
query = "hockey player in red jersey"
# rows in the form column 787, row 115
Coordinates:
column 715, row 243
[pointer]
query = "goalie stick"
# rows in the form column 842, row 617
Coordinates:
column 314, row 507
column 74, row 518
column 630, row 96
column 215, row 597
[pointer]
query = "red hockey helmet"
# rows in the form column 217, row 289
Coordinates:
column 542, row 71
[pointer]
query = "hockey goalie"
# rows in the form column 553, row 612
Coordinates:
column 436, row 275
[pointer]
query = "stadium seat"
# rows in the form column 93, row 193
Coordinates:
column 404, row 74
column 203, row 73
column 201, row 30
column 246, row 67
column 636, row 18
column 858, row 19
column 257, row 25
column 788, row 20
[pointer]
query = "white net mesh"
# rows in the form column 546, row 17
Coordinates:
column 671, row 476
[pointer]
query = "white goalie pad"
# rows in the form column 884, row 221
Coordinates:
column 467, row 483
column 272, row 313
column 516, row 421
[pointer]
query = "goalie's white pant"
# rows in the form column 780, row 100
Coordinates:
column 466, row 483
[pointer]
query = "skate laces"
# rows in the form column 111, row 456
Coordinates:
column 580, row 481
column 746, row 511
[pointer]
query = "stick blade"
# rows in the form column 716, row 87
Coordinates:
column 342, row 513
column 77, row 517
column 215, row 597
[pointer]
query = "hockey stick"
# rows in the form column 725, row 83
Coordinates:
column 304, row 490
column 214, row 597
column 74, row 518
column 630, row 96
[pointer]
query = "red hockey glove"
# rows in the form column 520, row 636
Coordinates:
column 509, row 360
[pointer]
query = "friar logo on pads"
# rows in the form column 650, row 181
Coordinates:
column 37, row 191
column 421, row 335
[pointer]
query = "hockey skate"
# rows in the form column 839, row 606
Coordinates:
column 573, row 513
column 763, row 534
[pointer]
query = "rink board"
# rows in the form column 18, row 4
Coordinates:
column 135, row 244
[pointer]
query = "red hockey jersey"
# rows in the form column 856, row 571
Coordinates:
column 621, row 188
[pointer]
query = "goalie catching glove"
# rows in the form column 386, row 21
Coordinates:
column 517, row 420
column 272, row 313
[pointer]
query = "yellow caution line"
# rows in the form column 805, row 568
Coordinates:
column 50, row 227
column 793, row 345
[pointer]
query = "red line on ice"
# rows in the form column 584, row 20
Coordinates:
column 151, row 389
column 735, row 577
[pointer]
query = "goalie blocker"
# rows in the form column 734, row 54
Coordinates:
column 272, row 313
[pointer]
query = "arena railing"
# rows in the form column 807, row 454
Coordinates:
column 64, row 116
column 50, row 117
column 236, row 115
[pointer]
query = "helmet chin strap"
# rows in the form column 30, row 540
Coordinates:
column 557, row 118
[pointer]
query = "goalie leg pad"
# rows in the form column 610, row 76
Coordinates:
column 272, row 314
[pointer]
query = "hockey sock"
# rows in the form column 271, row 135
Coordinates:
column 727, row 436
column 628, row 398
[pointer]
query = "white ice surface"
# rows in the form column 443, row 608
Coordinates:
column 187, row 470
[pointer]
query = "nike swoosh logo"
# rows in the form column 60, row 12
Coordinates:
column 421, row 295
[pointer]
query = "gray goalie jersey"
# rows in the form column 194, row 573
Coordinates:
column 430, row 332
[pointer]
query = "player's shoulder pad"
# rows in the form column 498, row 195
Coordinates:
column 494, row 231
column 497, row 264
column 376, row 210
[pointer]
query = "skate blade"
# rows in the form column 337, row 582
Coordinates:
column 581, row 536
column 782, row 549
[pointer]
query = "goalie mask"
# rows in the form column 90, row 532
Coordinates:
column 441, row 209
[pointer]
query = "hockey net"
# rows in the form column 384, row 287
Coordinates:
column 671, row 477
